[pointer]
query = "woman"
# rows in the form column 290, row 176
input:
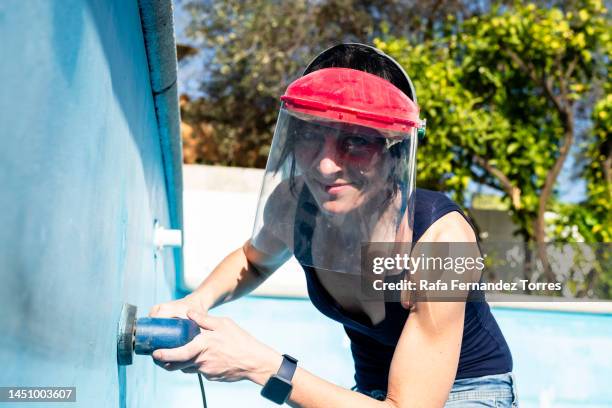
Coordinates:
column 341, row 174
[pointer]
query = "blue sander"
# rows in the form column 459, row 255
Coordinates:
column 146, row 334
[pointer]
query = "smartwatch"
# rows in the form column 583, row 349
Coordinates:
column 279, row 386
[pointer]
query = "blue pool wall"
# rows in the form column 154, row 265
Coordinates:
column 86, row 168
column 561, row 359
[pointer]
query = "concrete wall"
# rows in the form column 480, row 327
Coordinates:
column 81, row 184
column 495, row 225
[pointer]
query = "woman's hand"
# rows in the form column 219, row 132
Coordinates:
column 222, row 352
column 178, row 308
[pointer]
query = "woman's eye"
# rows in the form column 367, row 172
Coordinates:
column 356, row 142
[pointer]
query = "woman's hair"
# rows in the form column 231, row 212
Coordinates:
column 363, row 58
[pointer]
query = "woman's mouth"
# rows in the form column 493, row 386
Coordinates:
column 336, row 188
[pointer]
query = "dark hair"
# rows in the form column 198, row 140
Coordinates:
column 363, row 58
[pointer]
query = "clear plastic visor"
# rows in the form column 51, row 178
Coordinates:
column 332, row 187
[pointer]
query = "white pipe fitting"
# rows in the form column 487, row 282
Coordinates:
column 167, row 237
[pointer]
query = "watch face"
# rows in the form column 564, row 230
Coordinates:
column 277, row 389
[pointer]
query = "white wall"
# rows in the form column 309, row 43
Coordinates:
column 219, row 211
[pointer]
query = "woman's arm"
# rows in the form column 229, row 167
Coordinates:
column 247, row 267
column 426, row 357
column 422, row 370
column 238, row 274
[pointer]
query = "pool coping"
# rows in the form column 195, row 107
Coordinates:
column 544, row 303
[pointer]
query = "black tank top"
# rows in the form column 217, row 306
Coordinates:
column 484, row 350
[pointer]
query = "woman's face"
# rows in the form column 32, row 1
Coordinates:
column 344, row 166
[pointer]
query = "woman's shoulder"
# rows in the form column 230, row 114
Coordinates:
column 429, row 207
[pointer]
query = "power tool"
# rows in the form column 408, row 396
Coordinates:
column 146, row 334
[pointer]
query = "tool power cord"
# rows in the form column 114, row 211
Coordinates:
column 202, row 389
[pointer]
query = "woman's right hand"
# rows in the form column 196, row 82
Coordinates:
column 178, row 308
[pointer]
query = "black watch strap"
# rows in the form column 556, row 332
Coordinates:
column 287, row 368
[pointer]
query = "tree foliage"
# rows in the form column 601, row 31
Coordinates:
column 508, row 90
column 502, row 93
column 502, row 87
column 257, row 48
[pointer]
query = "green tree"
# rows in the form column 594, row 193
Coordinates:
column 502, row 93
column 256, row 48
column 597, row 209
column 501, row 90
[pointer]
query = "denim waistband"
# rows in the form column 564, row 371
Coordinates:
column 487, row 386
column 500, row 386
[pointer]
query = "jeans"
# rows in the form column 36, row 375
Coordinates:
column 491, row 391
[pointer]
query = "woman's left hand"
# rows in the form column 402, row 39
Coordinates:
column 221, row 352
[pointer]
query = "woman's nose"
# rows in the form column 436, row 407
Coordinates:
column 328, row 160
